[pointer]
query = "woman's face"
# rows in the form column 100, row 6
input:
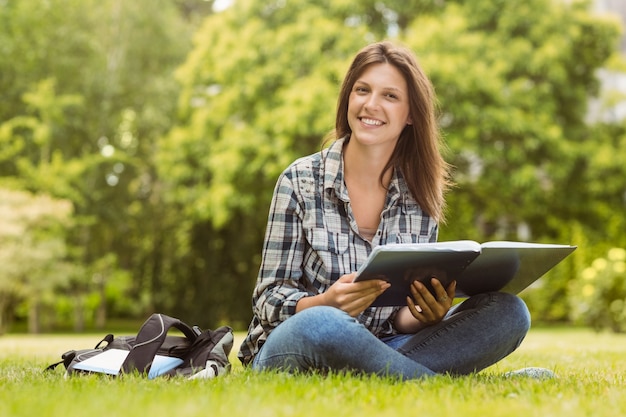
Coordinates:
column 378, row 106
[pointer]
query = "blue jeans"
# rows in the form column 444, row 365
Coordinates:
column 474, row 335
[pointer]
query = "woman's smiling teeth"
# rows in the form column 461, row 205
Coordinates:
column 371, row 122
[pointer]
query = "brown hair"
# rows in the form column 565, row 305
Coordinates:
column 418, row 151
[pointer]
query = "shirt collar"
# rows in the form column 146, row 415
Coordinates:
column 333, row 170
column 333, row 175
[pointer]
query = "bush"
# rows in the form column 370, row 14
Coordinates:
column 598, row 295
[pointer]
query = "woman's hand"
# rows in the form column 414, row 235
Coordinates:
column 352, row 297
column 430, row 309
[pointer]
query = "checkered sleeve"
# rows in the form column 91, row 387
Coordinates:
column 279, row 285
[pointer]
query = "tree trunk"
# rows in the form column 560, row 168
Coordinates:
column 3, row 316
column 34, row 326
column 101, row 311
column 79, row 314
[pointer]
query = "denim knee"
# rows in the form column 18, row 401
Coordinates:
column 513, row 312
column 314, row 326
column 307, row 340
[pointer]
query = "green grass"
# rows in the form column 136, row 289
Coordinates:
column 590, row 368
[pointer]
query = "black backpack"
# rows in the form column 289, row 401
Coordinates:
column 197, row 354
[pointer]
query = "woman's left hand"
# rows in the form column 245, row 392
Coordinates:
column 430, row 309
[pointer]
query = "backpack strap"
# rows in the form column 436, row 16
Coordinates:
column 68, row 357
column 150, row 338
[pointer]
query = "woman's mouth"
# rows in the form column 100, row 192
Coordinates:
column 371, row 122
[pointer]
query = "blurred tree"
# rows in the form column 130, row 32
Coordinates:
column 254, row 97
column 514, row 79
column 259, row 90
column 514, row 85
column 32, row 252
column 87, row 89
column 598, row 295
column 175, row 194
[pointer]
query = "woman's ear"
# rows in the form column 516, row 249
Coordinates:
column 409, row 121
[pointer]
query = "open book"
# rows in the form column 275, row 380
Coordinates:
column 492, row 266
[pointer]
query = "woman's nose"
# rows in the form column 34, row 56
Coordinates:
column 372, row 101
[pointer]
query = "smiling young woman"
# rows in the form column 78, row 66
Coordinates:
column 419, row 150
column 382, row 181
column 378, row 112
column 378, row 108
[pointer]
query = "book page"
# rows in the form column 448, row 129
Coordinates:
column 509, row 266
column 521, row 245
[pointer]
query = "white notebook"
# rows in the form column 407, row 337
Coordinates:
column 110, row 362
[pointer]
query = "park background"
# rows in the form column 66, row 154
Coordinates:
column 140, row 142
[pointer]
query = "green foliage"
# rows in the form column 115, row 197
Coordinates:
column 87, row 90
column 603, row 169
column 248, row 111
column 598, row 295
column 513, row 88
column 255, row 97
column 32, row 250
column 165, row 125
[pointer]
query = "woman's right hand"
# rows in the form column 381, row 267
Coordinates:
column 353, row 297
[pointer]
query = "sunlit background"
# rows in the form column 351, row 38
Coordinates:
column 140, row 142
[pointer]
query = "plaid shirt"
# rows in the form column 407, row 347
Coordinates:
column 312, row 239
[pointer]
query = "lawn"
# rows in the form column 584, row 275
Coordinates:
column 590, row 367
